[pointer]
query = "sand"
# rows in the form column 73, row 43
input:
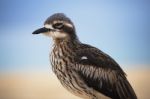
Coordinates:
column 46, row 85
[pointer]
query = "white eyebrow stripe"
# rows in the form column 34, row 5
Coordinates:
column 48, row 26
column 57, row 22
column 69, row 25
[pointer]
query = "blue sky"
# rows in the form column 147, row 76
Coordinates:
column 119, row 28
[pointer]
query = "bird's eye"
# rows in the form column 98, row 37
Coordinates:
column 58, row 25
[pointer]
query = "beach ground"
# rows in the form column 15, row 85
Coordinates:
column 46, row 85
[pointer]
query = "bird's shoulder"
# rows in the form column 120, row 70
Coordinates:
column 89, row 55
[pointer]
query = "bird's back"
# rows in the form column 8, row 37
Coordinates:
column 106, row 76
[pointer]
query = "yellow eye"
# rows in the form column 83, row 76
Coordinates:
column 58, row 25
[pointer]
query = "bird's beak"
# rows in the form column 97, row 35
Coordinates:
column 41, row 30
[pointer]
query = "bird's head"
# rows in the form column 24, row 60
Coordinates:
column 58, row 26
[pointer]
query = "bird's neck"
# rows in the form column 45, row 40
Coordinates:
column 70, row 44
column 72, row 40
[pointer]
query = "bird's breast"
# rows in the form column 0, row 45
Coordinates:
column 61, row 66
column 60, row 59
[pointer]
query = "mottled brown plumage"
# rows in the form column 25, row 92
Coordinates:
column 82, row 69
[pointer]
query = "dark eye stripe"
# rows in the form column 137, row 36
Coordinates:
column 58, row 25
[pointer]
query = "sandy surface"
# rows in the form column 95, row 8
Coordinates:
column 46, row 86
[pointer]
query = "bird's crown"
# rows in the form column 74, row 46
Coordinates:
column 58, row 20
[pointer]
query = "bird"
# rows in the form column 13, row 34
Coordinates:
column 82, row 69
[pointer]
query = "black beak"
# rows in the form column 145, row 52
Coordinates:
column 41, row 30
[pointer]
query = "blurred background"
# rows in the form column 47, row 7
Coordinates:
column 119, row 28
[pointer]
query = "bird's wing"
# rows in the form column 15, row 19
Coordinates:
column 100, row 72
